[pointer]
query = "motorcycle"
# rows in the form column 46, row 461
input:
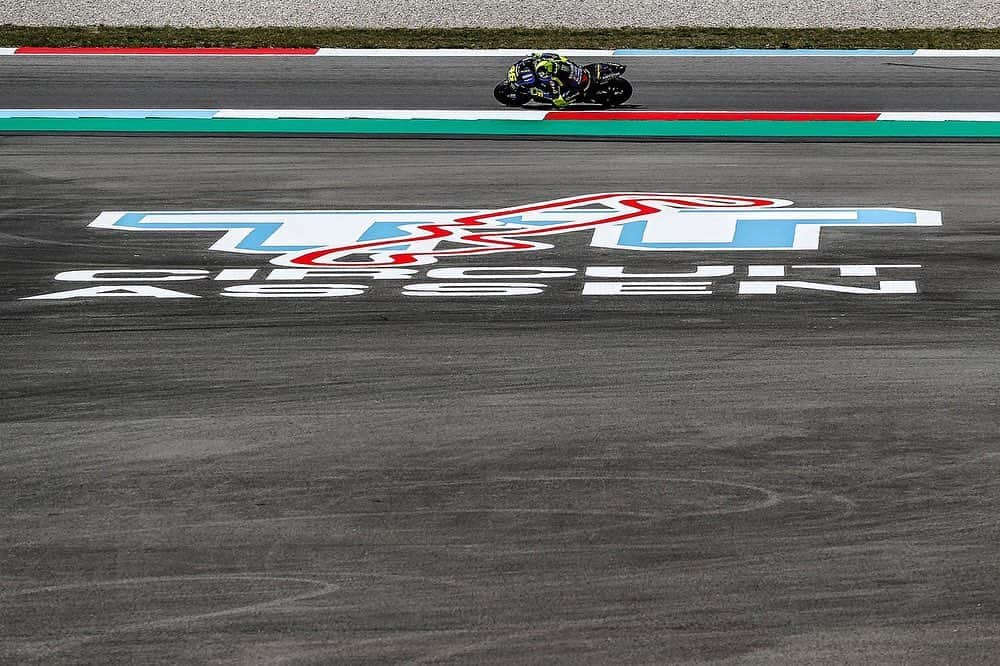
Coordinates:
column 603, row 84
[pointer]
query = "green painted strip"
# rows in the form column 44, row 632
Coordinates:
column 755, row 128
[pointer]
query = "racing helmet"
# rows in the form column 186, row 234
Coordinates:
column 545, row 69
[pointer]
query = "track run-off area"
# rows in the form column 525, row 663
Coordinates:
column 728, row 393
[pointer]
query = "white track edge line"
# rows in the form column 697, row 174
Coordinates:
column 400, row 114
column 460, row 53
column 947, row 53
column 941, row 116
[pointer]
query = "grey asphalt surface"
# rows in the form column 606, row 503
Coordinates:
column 801, row 478
column 838, row 84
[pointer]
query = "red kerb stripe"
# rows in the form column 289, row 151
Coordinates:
column 113, row 50
column 710, row 115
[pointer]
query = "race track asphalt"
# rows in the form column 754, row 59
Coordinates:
column 807, row 477
column 810, row 84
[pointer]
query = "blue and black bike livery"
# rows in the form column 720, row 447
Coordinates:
column 602, row 84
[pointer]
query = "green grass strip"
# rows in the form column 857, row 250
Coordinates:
column 486, row 128
column 638, row 38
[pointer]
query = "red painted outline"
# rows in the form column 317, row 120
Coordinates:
column 502, row 240
column 840, row 116
column 114, row 50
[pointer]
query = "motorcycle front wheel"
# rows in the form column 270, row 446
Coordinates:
column 508, row 95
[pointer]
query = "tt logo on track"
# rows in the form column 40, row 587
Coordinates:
column 649, row 222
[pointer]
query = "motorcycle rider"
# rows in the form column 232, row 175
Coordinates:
column 556, row 77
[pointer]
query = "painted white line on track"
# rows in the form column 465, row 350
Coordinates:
column 941, row 116
column 403, row 114
column 462, row 53
column 946, row 53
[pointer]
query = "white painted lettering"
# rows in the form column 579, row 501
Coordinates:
column 294, row 290
column 856, row 270
column 647, row 288
column 112, row 291
column 133, row 275
column 373, row 273
column 236, row 274
column 473, row 289
column 766, row 270
column 500, row 273
column 884, row 287
column 619, row 272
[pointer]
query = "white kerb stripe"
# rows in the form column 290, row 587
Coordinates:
column 928, row 218
column 946, row 53
column 941, row 116
column 7, row 51
column 463, row 53
column 405, row 114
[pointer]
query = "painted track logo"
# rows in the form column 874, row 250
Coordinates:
column 655, row 222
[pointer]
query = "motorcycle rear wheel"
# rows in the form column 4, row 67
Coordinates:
column 614, row 92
